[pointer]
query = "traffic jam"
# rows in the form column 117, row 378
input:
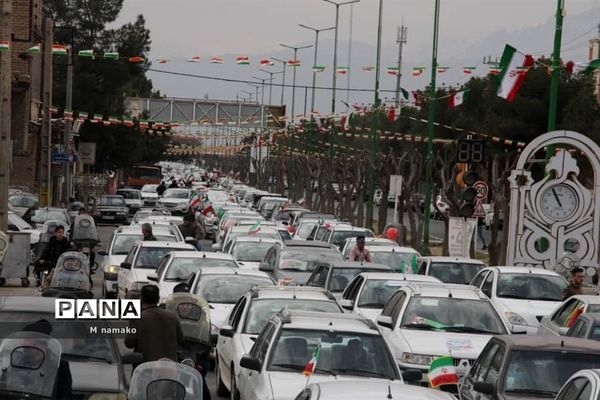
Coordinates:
column 227, row 291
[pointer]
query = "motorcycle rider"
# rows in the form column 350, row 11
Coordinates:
column 57, row 245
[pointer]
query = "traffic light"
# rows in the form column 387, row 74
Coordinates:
column 469, row 193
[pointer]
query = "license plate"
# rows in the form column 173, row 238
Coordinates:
column 109, row 217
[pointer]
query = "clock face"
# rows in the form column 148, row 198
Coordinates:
column 559, row 202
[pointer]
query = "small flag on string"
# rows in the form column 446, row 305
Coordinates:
column 97, row 119
column 136, row 59
column 522, row 70
column 393, row 114
column 162, row 61
column 34, row 49
column 441, row 70
column 111, row 55
column 68, row 115
column 82, row 116
column 128, row 122
column 495, row 70
column 318, row 68
column 469, row 70
column 394, row 71
column 242, row 60
column 4, row 46
column 266, row 63
column 456, row 99
column 59, row 50
column 195, row 59
column 368, row 68
column 113, row 120
column 143, row 124
column 417, row 71
column 294, row 63
column 216, row 60
column 53, row 110
column 343, row 70
column 86, row 53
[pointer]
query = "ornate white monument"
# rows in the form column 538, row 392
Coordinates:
column 556, row 214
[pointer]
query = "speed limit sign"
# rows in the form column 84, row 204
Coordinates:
column 481, row 188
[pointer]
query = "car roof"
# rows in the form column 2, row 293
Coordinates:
column 231, row 271
column 256, row 239
column 359, row 265
column 372, row 240
column 454, row 259
column 130, row 230
column 327, row 322
column 290, row 292
column 589, row 298
column 27, row 303
column 306, row 243
column 244, row 228
column 175, row 245
column 549, row 342
column 374, row 389
column 398, row 276
column 202, row 254
column 341, row 226
column 525, row 270
column 428, row 289
column 391, row 249
column 127, row 190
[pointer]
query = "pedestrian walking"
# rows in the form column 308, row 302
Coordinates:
column 160, row 189
column 480, row 227
column 158, row 332
column 575, row 283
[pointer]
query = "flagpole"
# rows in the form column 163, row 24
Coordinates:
column 555, row 73
column 430, row 131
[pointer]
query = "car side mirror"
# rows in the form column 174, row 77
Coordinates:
column 346, row 304
column 103, row 253
column 125, row 265
column 484, row 388
column 132, row 358
column 153, row 277
column 562, row 331
column 265, row 267
column 226, row 331
column 412, row 375
column 385, row 321
column 250, row 363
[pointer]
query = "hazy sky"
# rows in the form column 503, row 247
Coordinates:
column 182, row 28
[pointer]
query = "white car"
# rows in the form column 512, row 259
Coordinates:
column 149, row 195
column 350, row 348
column 249, row 251
column 175, row 200
column 370, row 243
column 523, row 295
column 222, row 287
column 565, row 315
column 176, row 267
column 244, row 230
column 247, row 318
column 398, row 258
column 338, row 233
column 451, row 269
column 369, row 291
column 361, row 390
column 423, row 321
column 18, row 224
column 582, row 385
column 141, row 260
column 133, row 199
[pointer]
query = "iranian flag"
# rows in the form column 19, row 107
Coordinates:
column 469, row 70
column 394, row 71
column 34, row 49
column 311, row 365
column 318, row 68
column 441, row 70
column 162, row 61
column 82, row 116
column 294, row 63
column 588, row 66
column 216, row 60
column 442, row 372
column 4, row 46
column 495, row 70
column 266, row 63
column 243, row 60
column 456, row 99
column 59, row 50
column 195, row 200
column 195, row 59
column 68, row 115
column 368, row 68
column 510, row 79
column 393, row 114
column 572, row 317
column 86, row 53
column 97, row 119
column 136, row 59
column 128, row 122
column 417, row 71
column 254, row 229
column 53, row 110
column 343, row 70
column 111, row 55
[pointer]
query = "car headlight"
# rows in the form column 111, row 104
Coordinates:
column 108, row 396
column 113, row 268
column 137, row 286
column 420, row 359
column 515, row 318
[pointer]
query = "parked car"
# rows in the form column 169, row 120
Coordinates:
column 582, row 385
column 451, row 269
column 22, row 202
column 133, row 199
column 111, row 208
column 335, row 276
column 527, row 367
column 523, row 295
column 39, row 216
column 564, row 316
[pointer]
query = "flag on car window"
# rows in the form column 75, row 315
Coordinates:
column 414, row 264
column 254, row 229
column 570, row 320
column 442, row 372
column 311, row 366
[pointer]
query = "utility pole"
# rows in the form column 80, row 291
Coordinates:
column 282, row 78
column 270, row 82
column 430, row 130
column 560, row 8
column 46, row 129
column 349, row 63
column 314, row 79
column 294, row 77
column 68, row 123
column 5, row 110
column 401, row 40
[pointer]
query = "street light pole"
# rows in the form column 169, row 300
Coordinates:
column 430, row 128
column 337, row 17
column 314, row 79
column 555, row 73
column 270, row 82
column 294, row 78
column 375, row 116
column 283, row 77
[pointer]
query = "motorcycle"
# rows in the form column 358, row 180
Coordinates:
column 165, row 379
column 85, row 237
column 29, row 365
column 71, row 277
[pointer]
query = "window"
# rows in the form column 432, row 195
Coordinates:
column 562, row 314
column 264, row 346
column 238, row 313
column 487, row 285
column 397, row 307
column 479, row 370
column 494, row 371
column 479, row 279
column 579, row 329
column 234, row 311
column 352, row 289
column 319, row 277
column 390, row 305
column 161, row 266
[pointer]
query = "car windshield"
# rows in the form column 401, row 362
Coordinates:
column 262, row 309
column 181, row 267
column 397, row 260
column 112, row 201
column 129, row 194
column 531, row 287
column 338, row 237
column 124, row 243
column 544, row 371
column 340, row 353
column 305, row 260
column 452, row 315
column 305, row 229
column 377, row 292
column 176, row 194
column 284, row 234
column 228, row 289
column 41, row 216
column 149, row 188
column 340, row 278
column 149, row 257
column 449, row 272
column 251, row 251
column 77, row 343
column 23, row 201
column 14, row 219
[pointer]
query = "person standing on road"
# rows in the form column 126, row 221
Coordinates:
column 173, row 184
column 575, row 283
column 480, row 227
column 360, row 252
column 191, row 228
column 147, row 232
column 160, row 189
column 158, row 332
